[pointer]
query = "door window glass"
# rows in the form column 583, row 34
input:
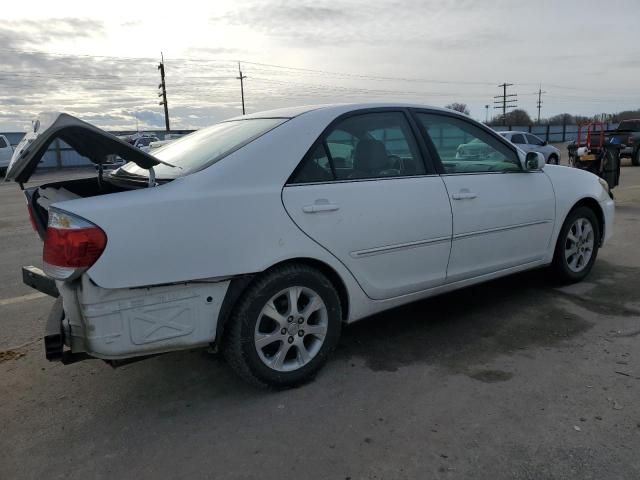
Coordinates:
column 517, row 138
column 3, row 144
column 372, row 145
column 533, row 140
column 466, row 148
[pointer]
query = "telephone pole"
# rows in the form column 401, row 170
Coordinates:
column 163, row 93
column 540, row 92
column 241, row 78
column 486, row 114
column 508, row 101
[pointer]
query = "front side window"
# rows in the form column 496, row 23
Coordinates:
column 466, row 148
column 533, row 140
column 371, row 145
column 3, row 144
column 517, row 138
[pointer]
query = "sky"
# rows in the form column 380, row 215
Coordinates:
column 98, row 60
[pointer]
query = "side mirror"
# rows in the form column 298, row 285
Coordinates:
column 534, row 161
column 545, row 143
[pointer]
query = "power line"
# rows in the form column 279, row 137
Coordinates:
column 508, row 101
column 540, row 92
column 241, row 78
column 163, row 93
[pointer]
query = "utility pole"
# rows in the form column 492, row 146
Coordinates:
column 241, row 78
column 508, row 101
column 540, row 92
column 163, row 93
column 486, row 114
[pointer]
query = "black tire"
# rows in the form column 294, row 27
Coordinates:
column 3, row 172
column 560, row 266
column 554, row 159
column 635, row 160
column 238, row 345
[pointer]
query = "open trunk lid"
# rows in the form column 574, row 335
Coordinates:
column 88, row 140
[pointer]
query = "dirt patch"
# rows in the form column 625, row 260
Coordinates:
column 8, row 355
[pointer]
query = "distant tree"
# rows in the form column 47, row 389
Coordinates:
column 625, row 115
column 518, row 117
column 561, row 119
column 459, row 107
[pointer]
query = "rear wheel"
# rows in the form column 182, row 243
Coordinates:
column 554, row 159
column 577, row 246
column 284, row 327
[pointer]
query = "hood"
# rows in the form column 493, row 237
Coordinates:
column 88, row 140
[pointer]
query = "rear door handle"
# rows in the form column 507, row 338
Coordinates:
column 464, row 195
column 320, row 207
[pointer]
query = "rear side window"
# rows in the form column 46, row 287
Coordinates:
column 3, row 143
column 366, row 146
column 517, row 138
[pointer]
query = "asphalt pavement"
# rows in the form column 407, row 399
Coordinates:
column 513, row 379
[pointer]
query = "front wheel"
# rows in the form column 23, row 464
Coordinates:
column 635, row 160
column 284, row 327
column 554, row 160
column 577, row 246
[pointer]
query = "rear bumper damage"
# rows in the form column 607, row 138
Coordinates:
column 123, row 325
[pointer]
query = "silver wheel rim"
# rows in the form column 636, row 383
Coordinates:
column 578, row 248
column 291, row 329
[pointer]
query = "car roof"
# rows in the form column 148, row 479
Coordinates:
column 515, row 131
column 337, row 108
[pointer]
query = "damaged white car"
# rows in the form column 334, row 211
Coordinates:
column 263, row 235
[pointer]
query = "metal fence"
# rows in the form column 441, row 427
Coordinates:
column 550, row 133
column 60, row 155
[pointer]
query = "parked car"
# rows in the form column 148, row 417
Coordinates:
column 628, row 135
column 245, row 235
column 5, row 154
column 144, row 142
column 530, row 143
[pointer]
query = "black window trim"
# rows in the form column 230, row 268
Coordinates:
column 414, row 111
column 424, row 154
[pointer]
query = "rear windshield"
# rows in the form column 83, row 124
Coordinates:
column 200, row 149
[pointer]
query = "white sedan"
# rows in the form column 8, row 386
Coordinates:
column 264, row 234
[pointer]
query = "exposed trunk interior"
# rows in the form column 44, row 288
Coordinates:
column 41, row 197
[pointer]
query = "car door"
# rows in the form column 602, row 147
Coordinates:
column 538, row 145
column 366, row 195
column 502, row 215
column 519, row 139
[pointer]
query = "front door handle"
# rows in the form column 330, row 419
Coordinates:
column 320, row 206
column 464, row 195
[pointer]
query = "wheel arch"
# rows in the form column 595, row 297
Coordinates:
column 239, row 285
column 592, row 204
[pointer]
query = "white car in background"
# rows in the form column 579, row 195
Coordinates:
column 262, row 235
column 5, row 154
column 530, row 143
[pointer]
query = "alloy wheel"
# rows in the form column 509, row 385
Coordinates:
column 579, row 245
column 291, row 329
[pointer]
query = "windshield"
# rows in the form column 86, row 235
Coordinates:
column 204, row 147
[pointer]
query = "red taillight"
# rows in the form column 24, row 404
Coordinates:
column 32, row 218
column 71, row 245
